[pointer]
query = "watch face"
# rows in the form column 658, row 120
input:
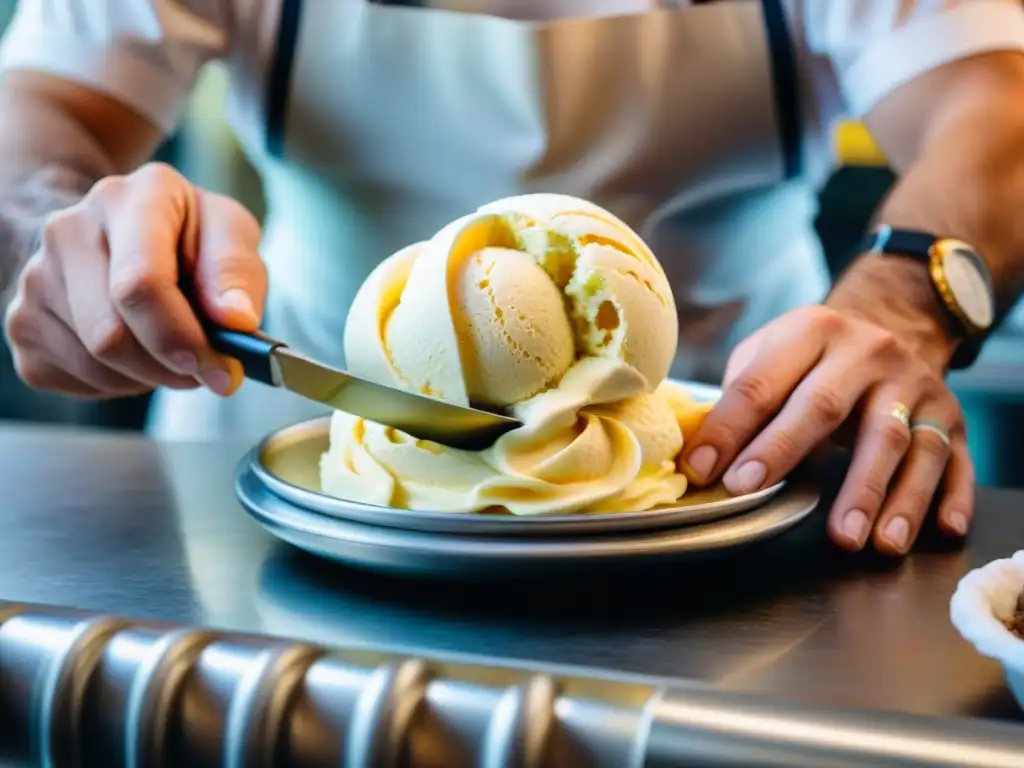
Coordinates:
column 969, row 282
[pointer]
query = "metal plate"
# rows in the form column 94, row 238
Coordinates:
column 419, row 553
column 288, row 464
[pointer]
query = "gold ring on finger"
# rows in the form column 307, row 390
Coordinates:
column 901, row 413
column 931, row 425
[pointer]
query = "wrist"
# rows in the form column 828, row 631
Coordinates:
column 898, row 295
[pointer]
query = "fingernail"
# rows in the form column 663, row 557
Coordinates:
column 897, row 532
column 184, row 363
column 703, row 460
column 958, row 523
column 855, row 526
column 747, row 478
column 237, row 300
column 218, row 380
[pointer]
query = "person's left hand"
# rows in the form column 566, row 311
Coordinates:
column 790, row 386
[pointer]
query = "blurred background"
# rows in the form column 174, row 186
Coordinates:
column 205, row 151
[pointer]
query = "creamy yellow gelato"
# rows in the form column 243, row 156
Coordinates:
column 547, row 305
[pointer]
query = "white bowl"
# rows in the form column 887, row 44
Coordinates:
column 984, row 599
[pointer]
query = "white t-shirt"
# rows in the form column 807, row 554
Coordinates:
column 148, row 53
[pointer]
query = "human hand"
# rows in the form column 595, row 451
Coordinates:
column 98, row 311
column 790, row 386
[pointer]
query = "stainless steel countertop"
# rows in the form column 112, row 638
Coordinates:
column 114, row 523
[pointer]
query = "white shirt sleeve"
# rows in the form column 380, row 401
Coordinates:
column 145, row 53
column 878, row 45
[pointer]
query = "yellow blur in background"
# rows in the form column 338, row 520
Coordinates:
column 854, row 146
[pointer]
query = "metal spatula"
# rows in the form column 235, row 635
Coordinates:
column 272, row 362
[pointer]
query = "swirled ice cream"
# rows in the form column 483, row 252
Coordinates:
column 548, row 306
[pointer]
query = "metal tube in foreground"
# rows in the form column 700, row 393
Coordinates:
column 80, row 689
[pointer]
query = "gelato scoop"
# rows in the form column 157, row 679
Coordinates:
column 545, row 305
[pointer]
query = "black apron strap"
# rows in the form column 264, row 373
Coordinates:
column 280, row 75
column 786, row 85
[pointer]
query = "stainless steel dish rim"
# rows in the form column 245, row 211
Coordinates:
column 291, row 522
column 499, row 525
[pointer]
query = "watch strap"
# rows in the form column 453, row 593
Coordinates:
column 902, row 242
column 966, row 353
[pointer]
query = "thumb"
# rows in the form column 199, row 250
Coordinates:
column 229, row 274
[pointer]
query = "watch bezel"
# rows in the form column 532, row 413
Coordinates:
column 938, row 254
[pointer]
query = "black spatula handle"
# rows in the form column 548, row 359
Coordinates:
column 252, row 350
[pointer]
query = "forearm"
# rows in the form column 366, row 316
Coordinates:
column 969, row 184
column 966, row 180
column 48, row 161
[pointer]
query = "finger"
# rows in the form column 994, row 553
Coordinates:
column 143, row 231
column 28, row 322
column 43, row 377
column 882, row 442
column 956, row 509
column 49, row 357
column 66, row 348
column 755, row 395
column 91, row 313
column 230, row 276
column 743, row 354
column 817, row 407
column 41, row 282
column 917, row 481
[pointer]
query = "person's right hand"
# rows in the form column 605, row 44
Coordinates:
column 98, row 310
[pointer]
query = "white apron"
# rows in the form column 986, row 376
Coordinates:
column 383, row 123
